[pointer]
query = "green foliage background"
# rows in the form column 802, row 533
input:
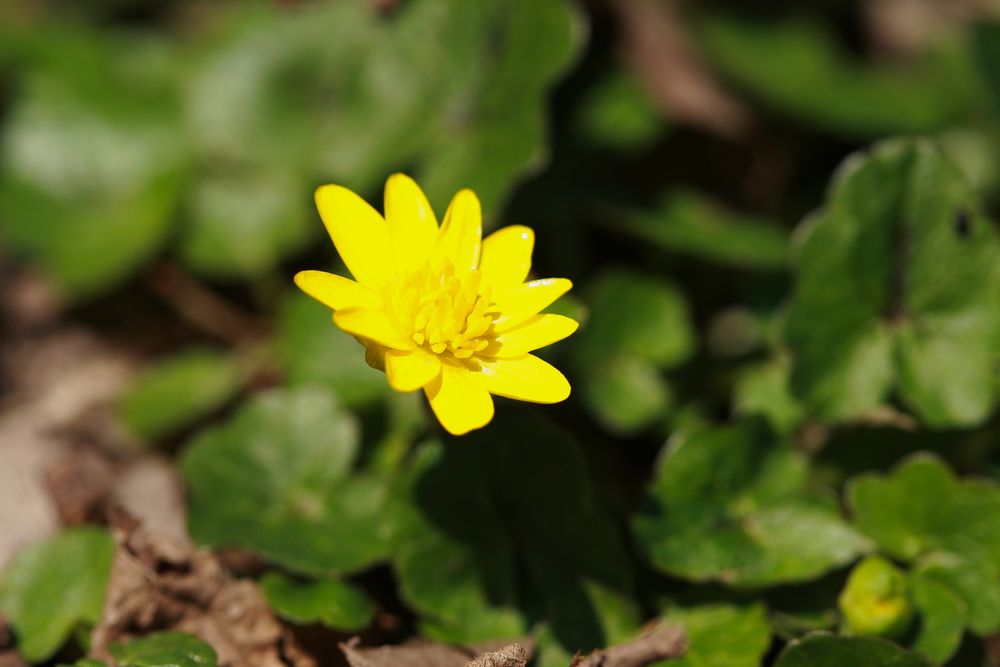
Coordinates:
column 791, row 332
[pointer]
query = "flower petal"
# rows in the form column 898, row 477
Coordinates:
column 506, row 257
column 412, row 226
column 359, row 233
column 519, row 303
column 459, row 399
column 411, row 370
column 371, row 325
column 538, row 331
column 335, row 291
column 526, row 378
column 461, row 232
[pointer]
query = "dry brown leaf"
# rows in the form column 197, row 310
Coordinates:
column 161, row 584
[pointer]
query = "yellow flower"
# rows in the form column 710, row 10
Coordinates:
column 441, row 309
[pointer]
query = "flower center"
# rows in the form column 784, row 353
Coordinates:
column 442, row 312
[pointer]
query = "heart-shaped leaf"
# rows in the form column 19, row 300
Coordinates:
column 53, row 588
column 732, row 504
column 278, row 479
column 898, row 289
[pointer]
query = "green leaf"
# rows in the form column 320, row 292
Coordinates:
column 691, row 223
column 244, row 221
column 519, row 48
column 164, row 649
column 616, row 113
column 92, row 160
column 721, row 635
column 277, row 479
column 942, row 619
column 499, row 529
column 797, row 68
column 314, row 351
column 875, row 601
column 731, row 504
column 52, row 588
column 975, row 582
column 626, row 394
column 920, row 508
column 899, row 288
column 172, row 393
column 638, row 327
column 328, row 601
column 763, row 389
column 823, row 650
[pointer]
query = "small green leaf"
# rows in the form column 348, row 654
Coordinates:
column 763, row 389
column 823, row 650
column 899, row 288
column 942, row 618
column 639, row 326
column 690, row 223
column 173, row 392
column 328, row 601
column 277, row 479
column 721, row 635
column 616, row 113
column 164, row 649
column 626, row 394
column 974, row 581
column 314, row 351
column 52, row 588
column 731, row 504
column 875, row 601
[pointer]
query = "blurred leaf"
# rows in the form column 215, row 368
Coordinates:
column 762, row 389
column 721, row 635
column 689, row 222
column 823, row 650
column 616, row 113
column 92, row 160
column 174, row 392
column 731, row 504
column 899, row 286
column 976, row 583
column 876, row 600
column 626, row 394
column 492, row 129
column 328, row 601
column 164, row 649
column 277, row 479
column 51, row 589
column 524, row 540
column 638, row 326
column 314, row 351
column 244, row 222
column 636, row 315
column 921, row 508
column 797, row 68
column 942, row 621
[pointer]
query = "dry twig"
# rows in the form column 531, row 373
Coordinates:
column 668, row 642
